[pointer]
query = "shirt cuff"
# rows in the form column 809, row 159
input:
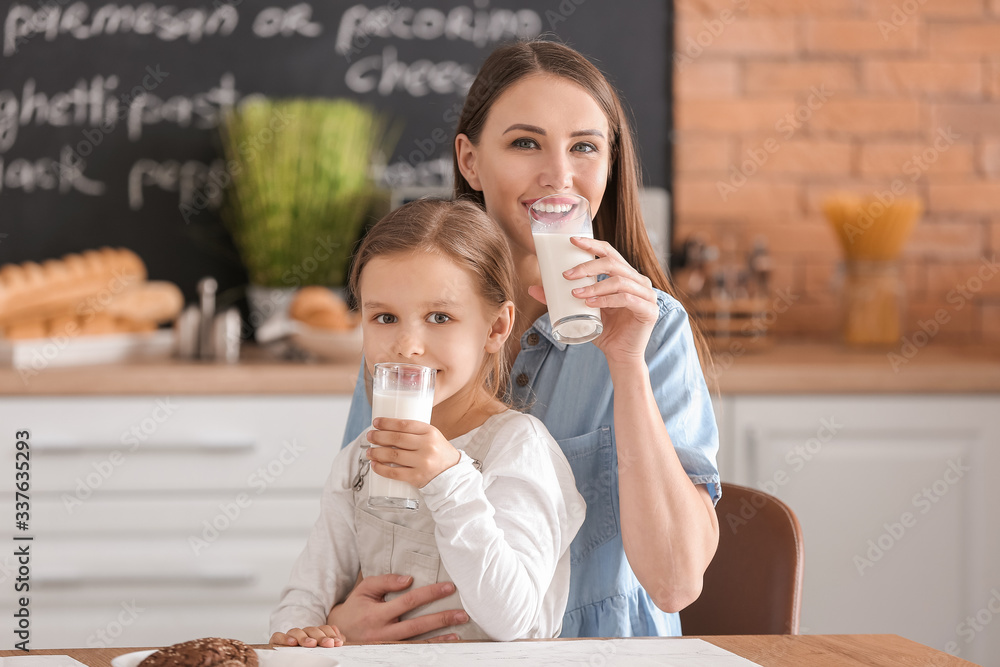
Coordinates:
column 444, row 490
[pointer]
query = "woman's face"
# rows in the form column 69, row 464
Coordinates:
column 544, row 135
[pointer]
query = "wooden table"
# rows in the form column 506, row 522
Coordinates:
column 766, row 650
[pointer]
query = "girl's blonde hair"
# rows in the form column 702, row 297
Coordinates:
column 462, row 231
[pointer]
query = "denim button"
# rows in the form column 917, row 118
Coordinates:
column 522, row 380
column 533, row 339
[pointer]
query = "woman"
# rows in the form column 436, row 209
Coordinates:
column 631, row 411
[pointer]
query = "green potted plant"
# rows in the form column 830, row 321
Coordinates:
column 300, row 193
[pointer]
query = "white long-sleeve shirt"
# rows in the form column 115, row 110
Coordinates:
column 502, row 534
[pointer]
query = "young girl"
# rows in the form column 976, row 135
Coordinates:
column 435, row 284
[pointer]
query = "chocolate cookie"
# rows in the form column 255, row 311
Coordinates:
column 207, row 652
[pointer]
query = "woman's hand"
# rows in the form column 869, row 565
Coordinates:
column 418, row 449
column 626, row 299
column 365, row 616
column 324, row 636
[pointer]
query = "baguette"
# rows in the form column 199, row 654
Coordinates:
column 32, row 291
column 156, row 301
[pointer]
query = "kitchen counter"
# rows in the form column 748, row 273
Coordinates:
column 830, row 368
column 784, row 368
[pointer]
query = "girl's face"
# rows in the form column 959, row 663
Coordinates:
column 423, row 308
column 544, row 135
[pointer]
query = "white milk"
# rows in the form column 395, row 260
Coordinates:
column 398, row 405
column 556, row 253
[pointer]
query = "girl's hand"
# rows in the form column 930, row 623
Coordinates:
column 626, row 299
column 325, row 636
column 419, row 449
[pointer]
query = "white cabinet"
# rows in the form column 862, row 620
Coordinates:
column 897, row 496
column 161, row 519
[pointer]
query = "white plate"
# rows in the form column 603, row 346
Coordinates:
column 267, row 659
column 338, row 346
column 40, row 353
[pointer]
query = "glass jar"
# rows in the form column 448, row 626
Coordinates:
column 873, row 302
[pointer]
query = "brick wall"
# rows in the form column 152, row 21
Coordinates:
column 834, row 95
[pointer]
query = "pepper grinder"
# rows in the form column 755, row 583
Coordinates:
column 206, row 335
column 207, row 288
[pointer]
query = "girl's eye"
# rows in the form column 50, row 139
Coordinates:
column 385, row 318
column 438, row 318
column 524, row 142
column 585, row 147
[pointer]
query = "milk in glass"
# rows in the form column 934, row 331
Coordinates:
column 400, row 404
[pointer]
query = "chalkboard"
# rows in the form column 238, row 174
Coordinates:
column 109, row 111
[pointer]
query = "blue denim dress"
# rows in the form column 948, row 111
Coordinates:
column 568, row 387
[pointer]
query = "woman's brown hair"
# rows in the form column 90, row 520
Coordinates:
column 462, row 231
column 619, row 219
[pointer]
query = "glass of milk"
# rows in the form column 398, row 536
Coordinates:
column 399, row 391
column 554, row 219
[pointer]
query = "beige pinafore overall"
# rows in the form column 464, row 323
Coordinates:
column 402, row 541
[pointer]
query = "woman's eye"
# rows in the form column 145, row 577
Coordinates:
column 438, row 318
column 385, row 318
column 524, row 142
column 585, row 147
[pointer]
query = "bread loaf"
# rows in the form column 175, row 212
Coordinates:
column 319, row 307
column 156, row 301
column 32, row 291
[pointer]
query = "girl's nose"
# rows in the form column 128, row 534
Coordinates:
column 557, row 173
column 409, row 346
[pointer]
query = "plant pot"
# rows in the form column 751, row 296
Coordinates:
column 268, row 302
